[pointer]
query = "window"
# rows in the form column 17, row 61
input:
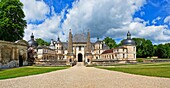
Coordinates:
column 79, row 48
column 134, row 56
column 123, row 55
column 88, row 60
column 133, row 48
column 96, row 57
column 70, row 60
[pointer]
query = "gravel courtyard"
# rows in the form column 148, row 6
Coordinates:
column 80, row 76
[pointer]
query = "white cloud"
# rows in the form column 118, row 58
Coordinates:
column 35, row 10
column 49, row 29
column 155, row 20
column 142, row 13
column 103, row 18
column 138, row 28
column 167, row 20
column 100, row 16
column 113, row 18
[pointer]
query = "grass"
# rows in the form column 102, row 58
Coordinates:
column 156, row 69
column 25, row 71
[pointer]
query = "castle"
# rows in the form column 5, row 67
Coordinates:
column 79, row 48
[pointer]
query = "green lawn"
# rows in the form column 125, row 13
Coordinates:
column 157, row 69
column 25, row 71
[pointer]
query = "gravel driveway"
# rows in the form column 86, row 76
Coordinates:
column 85, row 77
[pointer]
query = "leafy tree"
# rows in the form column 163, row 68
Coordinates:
column 144, row 48
column 155, row 50
column 110, row 42
column 163, row 50
column 12, row 21
column 148, row 48
column 42, row 42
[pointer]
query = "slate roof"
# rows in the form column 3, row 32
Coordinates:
column 80, row 37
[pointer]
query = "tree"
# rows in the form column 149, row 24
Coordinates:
column 155, row 50
column 144, row 48
column 149, row 48
column 42, row 42
column 163, row 50
column 110, row 42
column 12, row 21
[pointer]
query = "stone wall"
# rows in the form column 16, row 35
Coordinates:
column 51, row 63
column 13, row 54
column 111, row 62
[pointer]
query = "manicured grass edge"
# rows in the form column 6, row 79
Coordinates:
column 16, row 72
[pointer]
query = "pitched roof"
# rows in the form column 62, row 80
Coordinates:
column 108, row 51
column 80, row 37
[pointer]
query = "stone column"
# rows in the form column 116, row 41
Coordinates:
column 70, row 55
column 17, row 54
column 88, row 54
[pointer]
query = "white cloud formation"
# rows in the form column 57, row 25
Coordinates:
column 100, row 16
column 167, row 20
column 35, row 10
column 113, row 18
column 48, row 29
column 155, row 20
column 103, row 18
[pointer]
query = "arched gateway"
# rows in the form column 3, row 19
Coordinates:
column 80, row 57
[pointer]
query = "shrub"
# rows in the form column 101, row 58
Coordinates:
column 139, row 60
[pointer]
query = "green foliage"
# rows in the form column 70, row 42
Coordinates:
column 163, row 51
column 25, row 71
column 158, row 69
column 144, row 48
column 110, row 42
column 42, row 42
column 12, row 21
column 139, row 60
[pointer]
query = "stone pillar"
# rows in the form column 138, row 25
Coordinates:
column 88, row 48
column 13, row 53
column 88, row 54
column 70, row 55
column 17, row 54
column 70, row 43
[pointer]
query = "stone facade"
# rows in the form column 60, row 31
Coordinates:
column 13, row 54
column 45, row 55
column 121, row 54
column 79, row 48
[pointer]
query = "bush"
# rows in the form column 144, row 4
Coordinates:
column 139, row 60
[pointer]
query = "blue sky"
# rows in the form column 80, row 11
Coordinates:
column 153, row 9
column 148, row 19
